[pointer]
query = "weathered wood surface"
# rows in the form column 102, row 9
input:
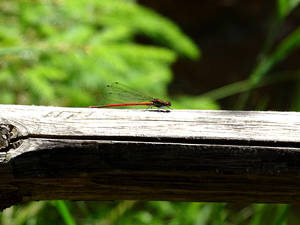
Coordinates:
column 182, row 155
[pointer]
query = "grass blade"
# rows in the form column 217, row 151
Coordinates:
column 64, row 212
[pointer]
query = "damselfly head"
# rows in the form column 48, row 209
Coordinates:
column 159, row 103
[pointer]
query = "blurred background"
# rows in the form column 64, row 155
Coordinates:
column 225, row 54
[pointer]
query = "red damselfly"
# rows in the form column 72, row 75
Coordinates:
column 121, row 93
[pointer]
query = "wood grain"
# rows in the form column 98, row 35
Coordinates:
column 182, row 155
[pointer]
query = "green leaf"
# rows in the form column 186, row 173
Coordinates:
column 258, row 210
column 64, row 212
column 284, row 7
column 49, row 72
column 39, row 85
column 73, row 97
column 7, row 97
column 112, row 34
column 288, row 45
column 145, row 21
column 22, row 51
column 75, row 35
column 10, row 35
column 281, row 214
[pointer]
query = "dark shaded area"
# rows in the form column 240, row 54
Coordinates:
column 231, row 34
column 93, row 170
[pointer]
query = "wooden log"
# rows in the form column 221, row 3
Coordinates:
column 181, row 155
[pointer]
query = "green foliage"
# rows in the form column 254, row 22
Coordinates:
column 188, row 102
column 150, row 212
column 17, row 215
column 270, row 56
column 284, row 7
column 65, row 52
column 64, row 212
column 285, row 47
column 276, row 214
column 268, row 60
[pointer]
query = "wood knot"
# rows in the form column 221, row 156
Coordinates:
column 8, row 133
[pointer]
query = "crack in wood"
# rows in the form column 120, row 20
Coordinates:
column 229, row 142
